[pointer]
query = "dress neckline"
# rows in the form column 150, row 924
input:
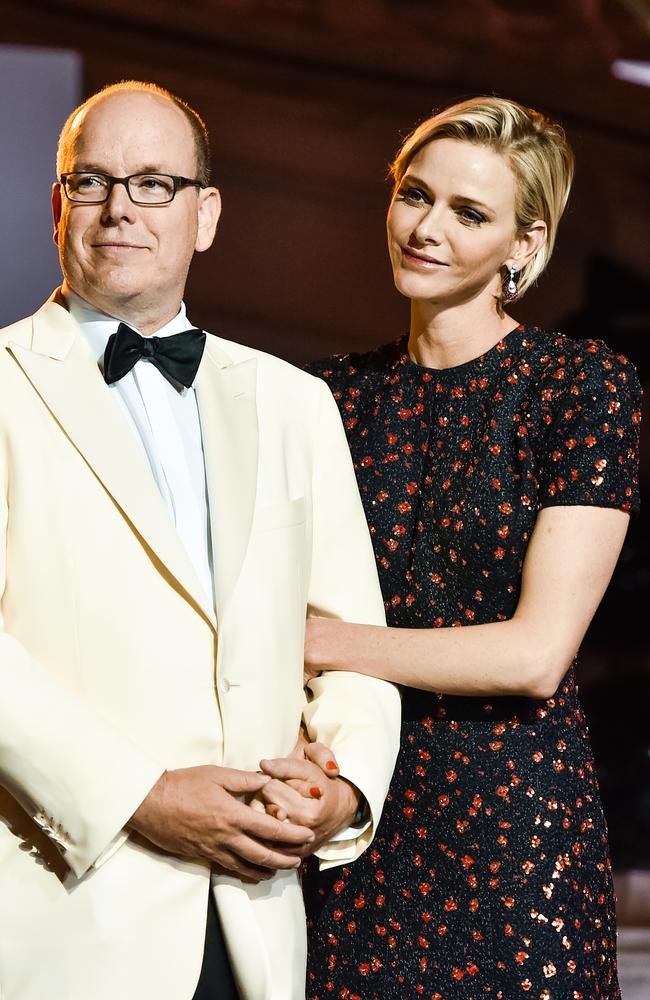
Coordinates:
column 486, row 362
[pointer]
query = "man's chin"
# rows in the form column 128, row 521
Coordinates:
column 113, row 298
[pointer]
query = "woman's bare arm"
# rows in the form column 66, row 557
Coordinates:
column 569, row 562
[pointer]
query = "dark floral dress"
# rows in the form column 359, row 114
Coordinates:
column 489, row 875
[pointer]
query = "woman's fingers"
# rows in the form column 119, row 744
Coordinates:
column 297, row 807
column 322, row 756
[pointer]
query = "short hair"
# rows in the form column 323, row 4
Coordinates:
column 535, row 148
column 196, row 123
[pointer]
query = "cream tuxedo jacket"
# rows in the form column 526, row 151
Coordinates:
column 113, row 667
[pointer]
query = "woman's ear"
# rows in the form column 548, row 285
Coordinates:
column 527, row 245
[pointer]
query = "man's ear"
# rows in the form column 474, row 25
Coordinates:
column 56, row 211
column 209, row 211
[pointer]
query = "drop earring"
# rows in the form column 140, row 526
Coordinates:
column 511, row 286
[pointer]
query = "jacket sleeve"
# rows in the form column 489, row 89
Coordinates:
column 358, row 717
column 78, row 778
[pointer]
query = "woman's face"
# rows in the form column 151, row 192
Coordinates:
column 451, row 223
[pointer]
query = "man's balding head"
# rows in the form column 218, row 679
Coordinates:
column 194, row 120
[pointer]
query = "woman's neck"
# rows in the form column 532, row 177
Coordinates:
column 451, row 336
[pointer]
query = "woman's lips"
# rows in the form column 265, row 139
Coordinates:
column 419, row 260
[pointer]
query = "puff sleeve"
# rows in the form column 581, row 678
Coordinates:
column 588, row 452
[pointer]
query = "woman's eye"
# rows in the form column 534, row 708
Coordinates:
column 471, row 215
column 413, row 195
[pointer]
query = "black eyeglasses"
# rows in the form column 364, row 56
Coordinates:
column 143, row 189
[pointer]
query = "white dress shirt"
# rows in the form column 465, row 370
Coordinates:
column 166, row 424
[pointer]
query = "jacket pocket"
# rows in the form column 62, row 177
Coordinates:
column 281, row 515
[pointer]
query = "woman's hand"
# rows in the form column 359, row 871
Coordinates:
column 300, row 793
column 314, row 753
column 323, row 639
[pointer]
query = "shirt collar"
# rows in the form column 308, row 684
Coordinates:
column 97, row 326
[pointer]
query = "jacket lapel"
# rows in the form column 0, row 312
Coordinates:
column 227, row 407
column 60, row 366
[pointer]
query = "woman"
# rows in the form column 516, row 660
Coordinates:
column 497, row 466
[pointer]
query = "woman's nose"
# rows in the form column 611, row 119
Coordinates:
column 429, row 228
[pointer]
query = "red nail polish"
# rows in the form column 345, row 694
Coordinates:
column 315, row 792
column 331, row 765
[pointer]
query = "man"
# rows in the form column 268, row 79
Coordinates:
column 165, row 532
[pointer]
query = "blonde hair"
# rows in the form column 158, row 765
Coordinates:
column 196, row 123
column 535, row 148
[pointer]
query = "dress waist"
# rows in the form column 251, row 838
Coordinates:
column 420, row 705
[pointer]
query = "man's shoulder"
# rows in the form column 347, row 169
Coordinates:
column 51, row 312
column 269, row 365
column 19, row 332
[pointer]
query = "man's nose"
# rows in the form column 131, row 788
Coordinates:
column 118, row 205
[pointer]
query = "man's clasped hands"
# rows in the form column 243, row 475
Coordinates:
column 250, row 824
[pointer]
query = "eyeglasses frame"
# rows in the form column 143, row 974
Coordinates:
column 179, row 182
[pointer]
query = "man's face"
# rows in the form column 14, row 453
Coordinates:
column 128, row 260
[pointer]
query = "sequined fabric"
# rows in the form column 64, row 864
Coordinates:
column 489, row 875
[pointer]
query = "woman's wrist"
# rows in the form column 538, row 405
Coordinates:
column 316, row 645
column 323, row 646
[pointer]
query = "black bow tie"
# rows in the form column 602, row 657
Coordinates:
column 176, row 357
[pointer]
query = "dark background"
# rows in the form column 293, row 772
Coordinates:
column 306, row 101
